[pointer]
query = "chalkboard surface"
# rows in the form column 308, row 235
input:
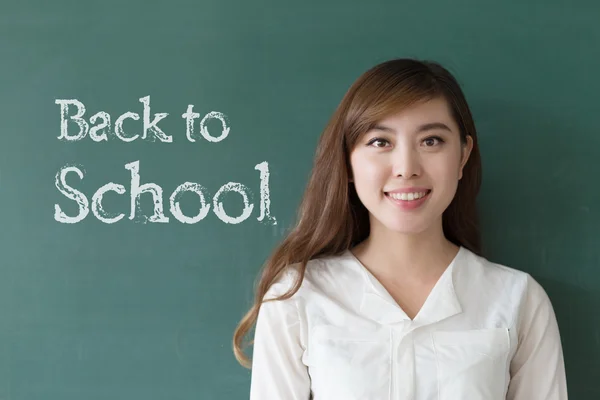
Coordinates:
column 210, row 111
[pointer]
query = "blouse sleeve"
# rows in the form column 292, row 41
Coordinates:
column 537, row 368
column 278, row 372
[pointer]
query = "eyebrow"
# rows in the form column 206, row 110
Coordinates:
column 422, row 128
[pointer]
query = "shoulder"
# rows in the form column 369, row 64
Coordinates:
column 491, row 274
column 503, row 283
column 322, row 274
column 509, row 273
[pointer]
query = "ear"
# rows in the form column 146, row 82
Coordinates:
column 466, row 152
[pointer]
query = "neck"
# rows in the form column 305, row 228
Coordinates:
column 419, row 257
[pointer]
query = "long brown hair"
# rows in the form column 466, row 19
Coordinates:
column 331, row 218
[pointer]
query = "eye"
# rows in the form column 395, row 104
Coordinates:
column 431, row 141
column 377, row 140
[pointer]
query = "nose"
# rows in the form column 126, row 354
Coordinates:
column 406, row 162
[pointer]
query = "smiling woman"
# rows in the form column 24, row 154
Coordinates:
column 381, row 291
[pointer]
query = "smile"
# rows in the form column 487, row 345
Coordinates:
column 409, row 201
column 408, row 196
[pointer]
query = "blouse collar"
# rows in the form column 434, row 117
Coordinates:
column 441, row 303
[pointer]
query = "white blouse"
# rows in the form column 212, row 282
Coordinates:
column 486, row 332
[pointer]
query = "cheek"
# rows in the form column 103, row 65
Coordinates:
column 446, row 168
column 446, row 178
column 367, row 172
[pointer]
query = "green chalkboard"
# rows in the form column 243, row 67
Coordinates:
column 104, row 299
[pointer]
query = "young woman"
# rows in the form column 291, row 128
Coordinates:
column 380, row 292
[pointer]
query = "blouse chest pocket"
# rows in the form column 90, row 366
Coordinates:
column 349, row 364
column 472, row 364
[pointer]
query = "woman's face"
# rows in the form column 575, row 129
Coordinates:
column 416, row 151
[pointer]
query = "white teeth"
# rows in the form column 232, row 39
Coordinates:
column 407, row 196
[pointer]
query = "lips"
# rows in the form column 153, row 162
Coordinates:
column 408, row 205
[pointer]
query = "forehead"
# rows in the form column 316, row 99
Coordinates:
column 423, row 112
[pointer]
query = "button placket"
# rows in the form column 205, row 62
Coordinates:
column 402, row 362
